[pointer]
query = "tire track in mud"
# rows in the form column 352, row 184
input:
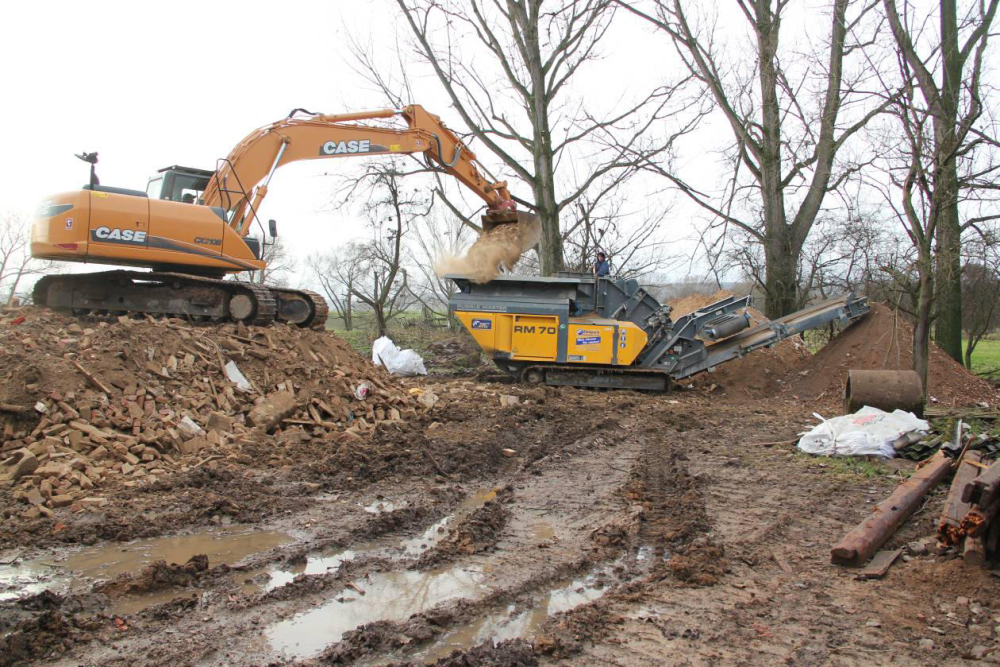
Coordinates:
column 572, row 492
column 587, row 492
column 664, row 513
column 567, row 482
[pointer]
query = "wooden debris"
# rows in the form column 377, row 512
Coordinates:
column 880, row 564
column 92, row 379
column 974, row 551
column 955, row 509
column 985, row 488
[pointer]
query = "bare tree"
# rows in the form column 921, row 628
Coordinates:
column 980, row 292
column 952, row 101
column 338, row 274
column 508, row 67
column 628, row 235
column 784, row 110
column 16, row 262
column 899, row 178
column 436, row 236
column 382, row 283
column 280, row 265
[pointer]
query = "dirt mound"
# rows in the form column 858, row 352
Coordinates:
column 688, row 304
column 89, row 404
column 41, row 627
column 884, row 341
column 158, row 576
column 758, row 374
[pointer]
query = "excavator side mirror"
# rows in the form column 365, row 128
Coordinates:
column 272, row 227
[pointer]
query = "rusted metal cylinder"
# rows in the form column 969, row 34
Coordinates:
column 885, row 390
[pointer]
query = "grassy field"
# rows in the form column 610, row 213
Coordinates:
column 986, row 356
column 408, row 331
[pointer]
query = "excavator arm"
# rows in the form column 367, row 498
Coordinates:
column 240, row 183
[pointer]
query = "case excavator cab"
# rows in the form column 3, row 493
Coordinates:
column 181, row 184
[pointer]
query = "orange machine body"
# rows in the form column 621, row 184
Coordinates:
column 130, row 230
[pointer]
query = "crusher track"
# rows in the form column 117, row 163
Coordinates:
column 180, row 295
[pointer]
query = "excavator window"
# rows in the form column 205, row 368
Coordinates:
column 154, row 187
column 184, row 184
column 179, row 184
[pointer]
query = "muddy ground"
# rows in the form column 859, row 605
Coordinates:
column 627, row 529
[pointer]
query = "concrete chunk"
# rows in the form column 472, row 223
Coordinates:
column 507, row 401
column 270, row 411
column 26, row 464
column 220, row 422
column 52, row 469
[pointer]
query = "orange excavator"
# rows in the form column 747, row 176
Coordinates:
column 191, row 226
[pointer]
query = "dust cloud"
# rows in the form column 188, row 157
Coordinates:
column 494, row 251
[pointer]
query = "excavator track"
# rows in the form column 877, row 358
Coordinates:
column 171, row 294
column 301, row 307
column 595, row 377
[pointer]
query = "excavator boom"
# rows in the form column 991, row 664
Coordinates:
column 240, row 183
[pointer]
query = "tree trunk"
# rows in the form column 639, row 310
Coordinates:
column 922, row 326
column 551, row 255
column 550, row 248
column 380, row 324
column 349, row 310
column 780, row 281
column 948, row 328
column 781, row 277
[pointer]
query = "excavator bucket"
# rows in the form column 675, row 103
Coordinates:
column 494, row 219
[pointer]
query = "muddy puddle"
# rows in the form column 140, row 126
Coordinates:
column 328, row 563
column 440, row 530
column 390, row 596
column 393, row 596
column 514, row 624
column 108, row 561
column 315, row 564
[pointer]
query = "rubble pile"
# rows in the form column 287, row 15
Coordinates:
column 88, row 404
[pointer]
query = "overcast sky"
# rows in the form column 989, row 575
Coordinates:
column 149, row 85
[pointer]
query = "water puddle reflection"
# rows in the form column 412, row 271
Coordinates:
column 526, row 624
column 390, row 596
column 110, row 560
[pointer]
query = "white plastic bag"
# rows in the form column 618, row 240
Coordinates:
column 395, row 360
column 867, row 432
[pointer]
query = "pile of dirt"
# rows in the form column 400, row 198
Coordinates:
column 497, row 250
column 884, row 341
column 41, row 627
column 85, row 405
column 758, row 374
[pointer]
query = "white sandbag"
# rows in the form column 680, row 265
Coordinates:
column 867, row 432
column 395, row 360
